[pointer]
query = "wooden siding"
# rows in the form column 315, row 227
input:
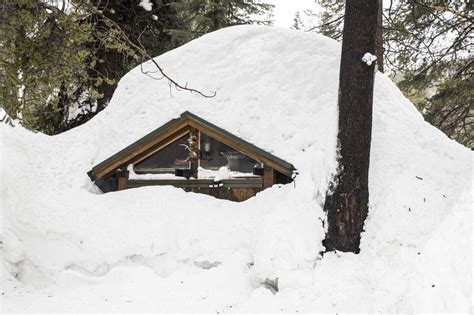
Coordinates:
column 231, row 189
column 250, row 182
column 232, row 194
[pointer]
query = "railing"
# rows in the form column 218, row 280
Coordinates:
column 243, row 182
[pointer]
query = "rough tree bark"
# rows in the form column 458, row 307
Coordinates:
column 347, row 200
column 379, row 50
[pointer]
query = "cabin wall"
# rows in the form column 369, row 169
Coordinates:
column 107, row 184
column 232, row 194
column 269, row 178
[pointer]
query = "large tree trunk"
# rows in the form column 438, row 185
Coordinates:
column 379, row 50
column 347, row 201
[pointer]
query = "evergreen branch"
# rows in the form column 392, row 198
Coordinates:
column 326, row 24
column 444, row 9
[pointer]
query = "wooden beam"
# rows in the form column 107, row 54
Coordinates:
column 122, row 177
column 250, row 182
column 268, row 177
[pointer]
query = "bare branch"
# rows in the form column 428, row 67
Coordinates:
column 445, row 9
column 326, row 24
column 145, row 56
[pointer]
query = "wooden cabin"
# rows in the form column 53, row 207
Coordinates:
column 191, row 153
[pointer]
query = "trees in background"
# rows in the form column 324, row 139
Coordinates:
column 431, row 47
column 348, row 198
column 60, row 61
column 427, row 52
column 44, row 62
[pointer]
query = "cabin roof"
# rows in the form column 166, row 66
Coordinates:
column 188, row 118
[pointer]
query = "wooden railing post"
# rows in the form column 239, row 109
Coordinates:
column 268, row 177
column 122, row 176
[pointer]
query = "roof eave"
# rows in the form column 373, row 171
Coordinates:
column 284, row 166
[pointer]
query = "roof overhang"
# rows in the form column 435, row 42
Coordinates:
column 162, row 136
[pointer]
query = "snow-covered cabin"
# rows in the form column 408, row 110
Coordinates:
column 62, row 242
column 191, row 153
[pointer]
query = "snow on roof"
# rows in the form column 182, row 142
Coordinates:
column 276, row 89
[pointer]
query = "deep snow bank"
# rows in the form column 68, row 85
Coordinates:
column 161, row 249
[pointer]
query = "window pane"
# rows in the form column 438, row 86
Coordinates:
column 173, row 156
column 215, row 154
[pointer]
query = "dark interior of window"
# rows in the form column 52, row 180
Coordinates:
column 173, row 156
column 215, row 154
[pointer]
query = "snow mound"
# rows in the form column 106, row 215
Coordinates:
column 161, row 249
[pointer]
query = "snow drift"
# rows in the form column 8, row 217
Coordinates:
column 66, row 247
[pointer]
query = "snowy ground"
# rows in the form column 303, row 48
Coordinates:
column 68, row 248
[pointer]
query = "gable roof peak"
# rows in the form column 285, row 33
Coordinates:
column 189, row 119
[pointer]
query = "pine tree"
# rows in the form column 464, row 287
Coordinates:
column 45, row 62
column 60, row 65
column 331, row 19
column 297, row 22
column 429, row 45
column 347, row 201
column 426, row 50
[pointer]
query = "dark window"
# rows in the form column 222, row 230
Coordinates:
column 215, row 154
column 174, row 155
